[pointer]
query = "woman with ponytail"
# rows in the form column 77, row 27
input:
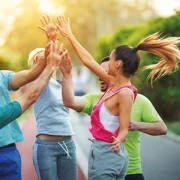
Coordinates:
column 111, row 115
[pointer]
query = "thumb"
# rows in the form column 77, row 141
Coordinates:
column 113, row 138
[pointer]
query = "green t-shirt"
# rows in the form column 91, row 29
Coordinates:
column 142, row 111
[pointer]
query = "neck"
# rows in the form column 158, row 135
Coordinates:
column 120, row 80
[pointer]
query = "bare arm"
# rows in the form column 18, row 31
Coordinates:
column 84, row 56
column 125, row 105
column 69, row 100
column 24, row 77
column 37, row 87
column 154, row 128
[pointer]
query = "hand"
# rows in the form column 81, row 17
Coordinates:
column 133, row 126
column 64, row 26
column 55, row 54
column 116, row 144
column 65, row 65
column 49, row 28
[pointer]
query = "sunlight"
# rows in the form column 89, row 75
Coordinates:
column 46, row 6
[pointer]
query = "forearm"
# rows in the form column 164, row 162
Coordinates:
column 84, row 55
column 156, row 128
column 69, row 100
column 36, row 88
column 123, row 134
column 24, row 77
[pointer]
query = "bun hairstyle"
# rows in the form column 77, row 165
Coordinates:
column 32, row 56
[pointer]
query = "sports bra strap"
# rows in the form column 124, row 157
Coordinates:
column 129, row 87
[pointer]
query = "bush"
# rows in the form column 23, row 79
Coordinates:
column 165, row 92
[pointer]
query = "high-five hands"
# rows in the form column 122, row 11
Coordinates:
column 55, row 54
column 64, row 26
column 49, row 28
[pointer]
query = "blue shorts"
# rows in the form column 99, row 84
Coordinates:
column 10, row 163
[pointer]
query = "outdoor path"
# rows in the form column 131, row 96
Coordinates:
column 28, row 127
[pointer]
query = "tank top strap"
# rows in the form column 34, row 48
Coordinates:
column 109, row 87
column 129, row 87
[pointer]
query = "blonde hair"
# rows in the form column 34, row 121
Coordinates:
column 32, row 56
column 167, row 49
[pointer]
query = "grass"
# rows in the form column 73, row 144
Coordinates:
column 173, row 127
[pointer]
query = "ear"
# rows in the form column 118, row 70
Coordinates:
column 119, row 64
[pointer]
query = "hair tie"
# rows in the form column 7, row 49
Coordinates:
column 135, row 49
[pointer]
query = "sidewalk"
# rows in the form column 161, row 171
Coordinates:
column 28, row 127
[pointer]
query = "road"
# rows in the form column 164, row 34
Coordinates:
column 28, row 127
column 160, row 155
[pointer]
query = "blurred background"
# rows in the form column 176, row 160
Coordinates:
column 100, row 25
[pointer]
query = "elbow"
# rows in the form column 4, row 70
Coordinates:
column 67, row 103
column 163, row 129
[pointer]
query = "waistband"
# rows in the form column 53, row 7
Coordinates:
column 9, row 145
column 44, row 141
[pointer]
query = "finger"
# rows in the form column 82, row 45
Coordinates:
column 49, row 19
column 64, row 19
column 68, row 21
column 116, row 147
column 42, row 21
column 64, row 53
column 45, row 19
column 113, row 138
column 113, row 143
column 55, row 45
column 60, row 49
column 40, row 27
column 59, row 20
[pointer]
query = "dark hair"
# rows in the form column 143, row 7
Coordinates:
column 165, row 48
column 105, row 59
column 129, row 57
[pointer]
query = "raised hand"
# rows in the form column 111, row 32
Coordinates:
column 66, row 65
column 64, row 26
column 49, row 28
column 55, row 54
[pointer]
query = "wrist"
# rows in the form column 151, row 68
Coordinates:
column 67, row 75
column 138, row 126
column 50, row 68
column 70, row 36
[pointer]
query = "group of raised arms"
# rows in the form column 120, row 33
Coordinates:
column 118, row 114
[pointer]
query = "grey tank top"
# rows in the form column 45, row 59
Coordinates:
column 51, row 115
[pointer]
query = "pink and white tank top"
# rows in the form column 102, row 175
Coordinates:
column 104, row 123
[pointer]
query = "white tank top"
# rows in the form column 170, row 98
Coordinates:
column 110, row 121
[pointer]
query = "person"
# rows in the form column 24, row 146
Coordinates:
column 79, row 82
column 110, row 118
column 144, row 118
column 10, row 161
column 54, row 131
